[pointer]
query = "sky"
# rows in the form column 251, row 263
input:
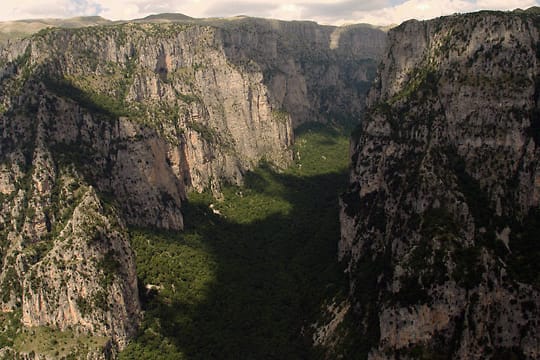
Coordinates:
column 335, row 12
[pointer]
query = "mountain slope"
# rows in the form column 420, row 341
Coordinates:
column 440, row 222
column 11, row 31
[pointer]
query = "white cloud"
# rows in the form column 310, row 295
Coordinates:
column 31, row 9
column 287, row 12
column 426, row 9
column 324, row 11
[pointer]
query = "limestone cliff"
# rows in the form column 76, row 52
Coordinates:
column 183, row 105
column 441, row 220
column 66, row 258
column 313, row 72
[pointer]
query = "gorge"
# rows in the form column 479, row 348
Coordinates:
column 169, row 189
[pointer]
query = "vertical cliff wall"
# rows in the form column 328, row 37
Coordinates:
column 313, row 72
column 440, row 223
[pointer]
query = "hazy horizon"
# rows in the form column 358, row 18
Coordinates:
column 376, row 12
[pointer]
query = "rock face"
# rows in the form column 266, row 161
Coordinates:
column 313, row 72
column 441, row 220
column 92, row 243
column 66, row 257
column 105, row 127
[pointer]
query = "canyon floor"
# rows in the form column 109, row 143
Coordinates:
column 250, row 273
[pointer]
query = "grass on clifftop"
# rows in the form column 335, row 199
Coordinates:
column 249, row 283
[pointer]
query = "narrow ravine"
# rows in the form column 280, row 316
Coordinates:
column 250, row 273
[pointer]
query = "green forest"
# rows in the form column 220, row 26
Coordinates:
column 249, row 282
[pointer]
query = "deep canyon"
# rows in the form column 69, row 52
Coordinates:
column 184, row 188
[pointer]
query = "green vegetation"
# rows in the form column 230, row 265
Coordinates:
column 38, row 250
column 280, row 115
column 11, row 284
column 422, row 80
column 204, row 130
column 93, row 101
column 188, row 98
column 249, row 283
column 109, row 266
column 57, row 344
column 11, row 323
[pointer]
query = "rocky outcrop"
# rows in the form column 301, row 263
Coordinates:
column 66, row 258
column 440, row 222
column 313, row 72
column 91, row 266
column 175, row 80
